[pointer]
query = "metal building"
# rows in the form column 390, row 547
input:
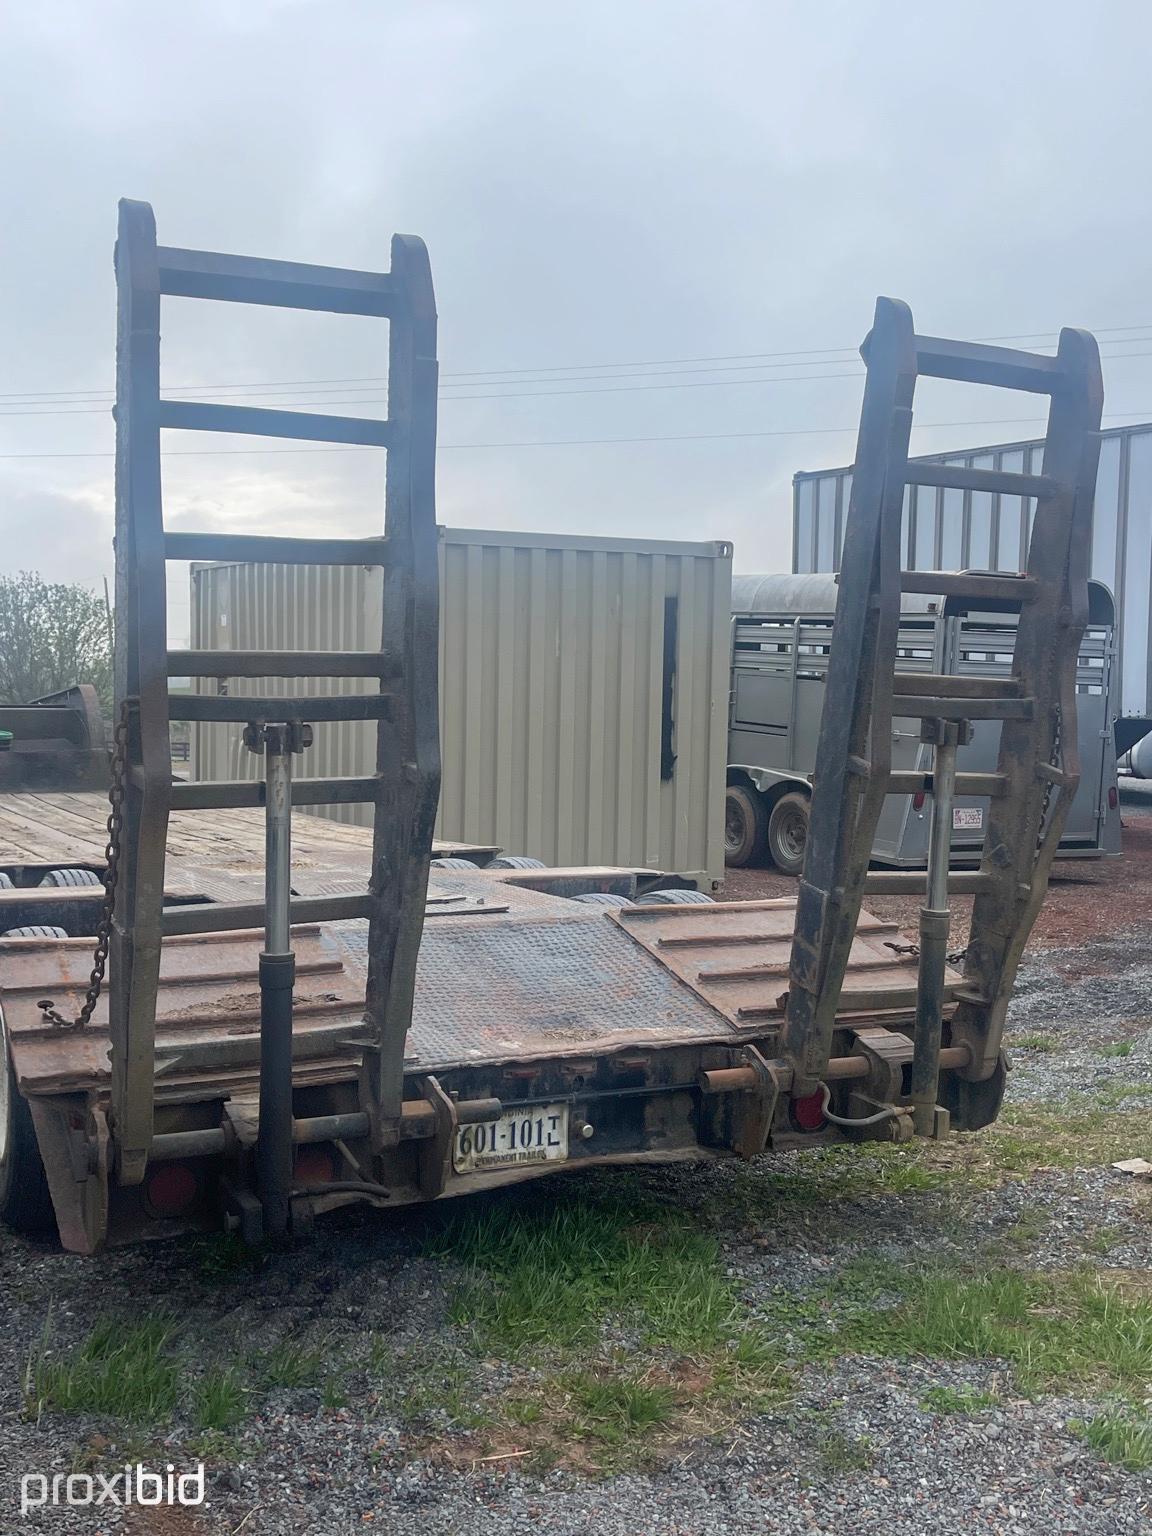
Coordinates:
column 949, row 530
column 583, row 689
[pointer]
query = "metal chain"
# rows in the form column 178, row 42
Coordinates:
column 953, row 957
column 112, row 850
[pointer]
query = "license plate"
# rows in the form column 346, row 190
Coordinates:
column 538, row 1134
column 967, row 817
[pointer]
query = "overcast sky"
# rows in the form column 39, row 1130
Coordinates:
column 608, row 190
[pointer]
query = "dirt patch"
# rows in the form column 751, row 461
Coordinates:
column 1087, row 898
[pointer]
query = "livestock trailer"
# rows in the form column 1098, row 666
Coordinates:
column 582, row 698
column 949, row 529
column 782, row 629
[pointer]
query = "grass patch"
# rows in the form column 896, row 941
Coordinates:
column 545, row 1276
column 1055, row 1329
column 1117, row 1048
column 613, row 1408
column 1035, row 1042
column 289, row 1364
column 957, row 1400
column 1078, row 1133
column 218, row 1400
column 1122, row 1437
column 121, row 1370
column 548, row 1283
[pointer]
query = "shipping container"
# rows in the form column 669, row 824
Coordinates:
column 948, row 530
column 583, row 689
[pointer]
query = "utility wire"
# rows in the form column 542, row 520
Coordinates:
column 849, row 353
column 534, row 394
column 574, row 442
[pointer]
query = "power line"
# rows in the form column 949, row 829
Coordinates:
column 574, row 442
column 540, row 394
column 481, row 375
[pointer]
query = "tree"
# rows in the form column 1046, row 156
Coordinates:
column 52, row 635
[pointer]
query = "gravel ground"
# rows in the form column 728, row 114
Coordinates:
column 852, row 1449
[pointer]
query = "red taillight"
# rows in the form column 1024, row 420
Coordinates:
column 808, row 1114
column 171, row 1189
column 918, row 800
column 1113, row 797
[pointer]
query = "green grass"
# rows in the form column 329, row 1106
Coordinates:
column 218, row 1400
column 1036, row 1042
column 1122, row 1437
column 121, row 1370
column 613, row 1408
column 546, row 1282
column 1055, row 1329
column 546, row 1276
column 957, row 1400
column 289, row 1364
column 1117, row 1048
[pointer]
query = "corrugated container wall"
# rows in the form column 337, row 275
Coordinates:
column 583, row 689
column 948, row 530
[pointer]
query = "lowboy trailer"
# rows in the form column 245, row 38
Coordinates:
column 280, row 1019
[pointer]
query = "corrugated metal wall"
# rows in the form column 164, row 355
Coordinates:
column 948, row 530
column 554, row 719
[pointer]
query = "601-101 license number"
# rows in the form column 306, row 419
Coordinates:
column 535, row 1134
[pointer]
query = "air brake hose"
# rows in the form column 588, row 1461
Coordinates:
column 889, row 1112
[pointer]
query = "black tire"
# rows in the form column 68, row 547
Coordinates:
column 37, row 931
column 674, row 899
column 745, row 826
column 6, row 882
column 604, row 899
column 516, row 861
column 788, row 832
column 71, row 877
column 25, row 1202
column 452, row 864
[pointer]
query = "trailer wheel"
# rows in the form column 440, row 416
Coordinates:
column 788, row 832
column 517, row 861
column 37, row 931
column 72, row 877
column 25, row 1202
column 452, row 864
column 674, row 899
column 745, row 826
column 604, row 899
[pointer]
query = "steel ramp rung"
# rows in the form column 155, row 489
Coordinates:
column 284, row 284
column 910, row 782
column 951, row 685
column 311, row 710
column 929, row 707
column 913, row 882
column 970, row 362
column 261, row 549
column 240, row 794
column 955, row 477
column 225, row 917
column 276, row 663
column 255, row 421
column 975, row 586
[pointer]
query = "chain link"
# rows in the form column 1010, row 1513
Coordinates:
column 112, row 850
column 953, row 957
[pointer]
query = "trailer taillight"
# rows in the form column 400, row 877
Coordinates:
column 918, row 800
column 808, row 1113
column 171, row 1189
column 1113, row 797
